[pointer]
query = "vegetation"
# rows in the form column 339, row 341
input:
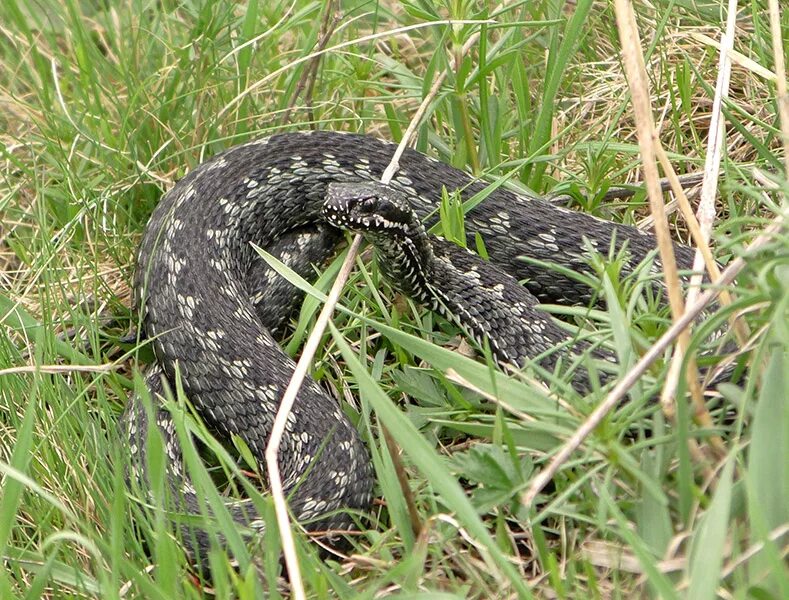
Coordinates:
column 107, row 104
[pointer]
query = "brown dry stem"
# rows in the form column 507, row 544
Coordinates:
column 616, row 395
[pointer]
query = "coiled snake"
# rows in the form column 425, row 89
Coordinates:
column 209, row 304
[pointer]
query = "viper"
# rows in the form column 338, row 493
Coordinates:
column 211, row 307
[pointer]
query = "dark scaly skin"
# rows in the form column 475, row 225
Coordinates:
column 205, row 297
column 480, row 297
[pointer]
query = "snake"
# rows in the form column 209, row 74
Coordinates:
column 211, row 308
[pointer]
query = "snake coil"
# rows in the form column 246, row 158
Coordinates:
column 210, row 306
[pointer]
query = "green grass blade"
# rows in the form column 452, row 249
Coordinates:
column 709, row 542
column 427, row 461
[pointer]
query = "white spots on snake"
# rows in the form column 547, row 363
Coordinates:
column 538, row 242
column 255, row 192
column 271, row 277
column 314, row 506
column 174, row 266
column 187, row 305
column 185, row 195
column 258, row 525
column 261, row 296
column 290, row 422
column 250, row 183
column 303, row 239
column 219, row 163
column 329, row 161
column 500, row 223
column 150, row 313
column 331, row 167
column 537, row 326
column 214, row 234
column 497, row 227
column 472, row 275
column 267, row 393
column 521, row 308
column 230, row 208
column 265, row 341
column 206, row 343
column 237, row 369
column 259, row 142
column 306, row 171
column 340, row 478
column 550, row 241
column 215, row 334
column 241, row 313
column 217, row 264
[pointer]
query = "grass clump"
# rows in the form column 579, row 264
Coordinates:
column 106, row 105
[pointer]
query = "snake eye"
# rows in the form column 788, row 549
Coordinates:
column 369, row 202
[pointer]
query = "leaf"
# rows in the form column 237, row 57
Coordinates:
column 706, row 554
column 768, row 467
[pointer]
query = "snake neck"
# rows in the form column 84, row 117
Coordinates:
column 407, row 261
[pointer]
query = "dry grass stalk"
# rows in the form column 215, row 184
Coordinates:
column 361, row 40
column 328, row 25
column 740, row 327
column 620, row 389
column 706, row 210
column 311, row 346
column 780, row 81
column 52, row 369
column 286, row 405
column 633, row 60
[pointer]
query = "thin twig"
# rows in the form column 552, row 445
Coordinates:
column 311, row 346
column 706, row 209
column 402, row 479
column 286, row 405
column 615, row 396
column 365, row 38
column 633, row 59
column 780, row 81
column 394, row 164
column 309, row 74
column 688, row 180
column 741, row 330
column 53, row 369
column 687, row 211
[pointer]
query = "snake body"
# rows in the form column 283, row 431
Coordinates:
column 209, row 304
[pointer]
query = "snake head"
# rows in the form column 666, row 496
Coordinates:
column 368, row 208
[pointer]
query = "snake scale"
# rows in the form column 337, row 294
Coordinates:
column 211, row 307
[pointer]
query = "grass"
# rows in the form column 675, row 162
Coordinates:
column 106, row 105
